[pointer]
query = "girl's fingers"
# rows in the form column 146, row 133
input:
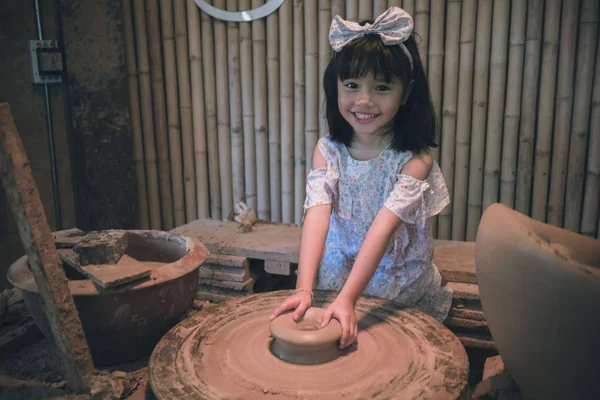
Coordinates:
column 300, row 310
column 326, row 318
column 286, row 305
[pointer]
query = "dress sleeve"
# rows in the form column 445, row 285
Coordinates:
column 321, row 183
column 413, row 200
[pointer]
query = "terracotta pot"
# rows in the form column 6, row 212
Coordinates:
column 124, row 324
column 540, row 292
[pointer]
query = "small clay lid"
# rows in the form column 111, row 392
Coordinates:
column 307, row 330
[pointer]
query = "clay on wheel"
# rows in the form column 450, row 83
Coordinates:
column 304, row 341
column 223, row 353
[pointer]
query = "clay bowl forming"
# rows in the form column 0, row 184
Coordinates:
column 124, row 324
column 304, row 342
column 540, row 291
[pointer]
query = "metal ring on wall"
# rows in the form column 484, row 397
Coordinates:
column 240, row 16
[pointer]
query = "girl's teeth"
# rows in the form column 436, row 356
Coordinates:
column 364, row 116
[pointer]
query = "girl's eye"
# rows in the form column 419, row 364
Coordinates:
column 351, row 85
column 382, row 88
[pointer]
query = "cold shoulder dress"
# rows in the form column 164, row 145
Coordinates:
column 357, row 190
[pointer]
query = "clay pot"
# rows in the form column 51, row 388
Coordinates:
column 540, row 292
column 124, row 324
column 303, row 341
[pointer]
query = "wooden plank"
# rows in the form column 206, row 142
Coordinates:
column 245, row 286
column 217, row 295
column 466, row 314
column 227, row 261
column 126, row 270
column 475, row 342
column 18, row 338
column 217, row 273
column 24, row 199
column 456, row 322
column 464, row 291
column 281, row 242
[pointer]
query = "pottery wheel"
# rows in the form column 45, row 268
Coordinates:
column 224, row 353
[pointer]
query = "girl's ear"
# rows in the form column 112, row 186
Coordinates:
column 407, row 91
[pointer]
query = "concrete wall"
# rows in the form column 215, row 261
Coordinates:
column 18, row 26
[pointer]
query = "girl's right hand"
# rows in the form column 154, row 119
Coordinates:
column 300, row 301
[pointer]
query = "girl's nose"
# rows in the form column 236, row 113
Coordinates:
column 364, row 99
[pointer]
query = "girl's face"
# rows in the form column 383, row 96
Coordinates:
column 369, row 103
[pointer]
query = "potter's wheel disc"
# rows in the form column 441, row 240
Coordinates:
column 223, row 353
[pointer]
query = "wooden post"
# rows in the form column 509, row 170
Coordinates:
column 27, row 208
column 299, row 111
column 274, row 108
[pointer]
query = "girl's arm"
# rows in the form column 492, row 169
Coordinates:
column 312, row 243
column 379, row 235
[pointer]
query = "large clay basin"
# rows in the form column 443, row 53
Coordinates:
column 124, row 324
column 540, row 292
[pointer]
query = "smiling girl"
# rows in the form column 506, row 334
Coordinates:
column 373, row 184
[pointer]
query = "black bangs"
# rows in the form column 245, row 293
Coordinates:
column 369, row 54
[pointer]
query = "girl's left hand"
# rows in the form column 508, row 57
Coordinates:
column 342, row 309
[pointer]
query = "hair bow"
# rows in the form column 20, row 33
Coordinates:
column 394, row 26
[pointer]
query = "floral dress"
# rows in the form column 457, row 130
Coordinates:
column 357, row 191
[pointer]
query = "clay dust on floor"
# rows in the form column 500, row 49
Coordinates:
column 34, row 372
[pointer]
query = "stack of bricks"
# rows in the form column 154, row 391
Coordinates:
column 466, row 319
column 224, row 277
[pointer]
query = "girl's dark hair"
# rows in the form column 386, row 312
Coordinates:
column 415, row 124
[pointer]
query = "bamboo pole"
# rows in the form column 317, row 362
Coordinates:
column 352, row 10
column 435, row 72
column 395, row 3
column 168, row 39
column 451, row 50
column 235, row 106
column 325, row 17
column 274, row 112
column 225, row 170
column 311, row 60
column 436, row 59
column 512, row 109
column 463, row 118
column 210, row 114
column 563, row 111
column 299, row 111
column 526, row 139
column 160, row 117
column 422, row 29
column 136, row 125
column 591, row 198
column 250, row 96
column 146, row 108
column 199, row 131
column 498, row 61
column 365, row 10
column 379, row 7
column 261, row 121
column 287, row 111
column 479, row 116
column 409, row 6
column 545, row 111
column 185, row 111
column 338, row 7
column 581, row 113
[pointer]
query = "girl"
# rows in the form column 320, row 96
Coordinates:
column 373, row 184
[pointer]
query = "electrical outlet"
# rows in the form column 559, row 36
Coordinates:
column 46, row 61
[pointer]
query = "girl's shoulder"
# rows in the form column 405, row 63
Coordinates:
column 329, row 148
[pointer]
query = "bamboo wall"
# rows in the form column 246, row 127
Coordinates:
column 223, row 112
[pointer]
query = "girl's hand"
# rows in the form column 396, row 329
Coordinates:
column 342, row 309
column 300, row 301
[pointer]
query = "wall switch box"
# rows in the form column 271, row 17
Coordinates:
column 46, row 61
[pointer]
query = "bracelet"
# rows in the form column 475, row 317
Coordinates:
column 304, row 290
